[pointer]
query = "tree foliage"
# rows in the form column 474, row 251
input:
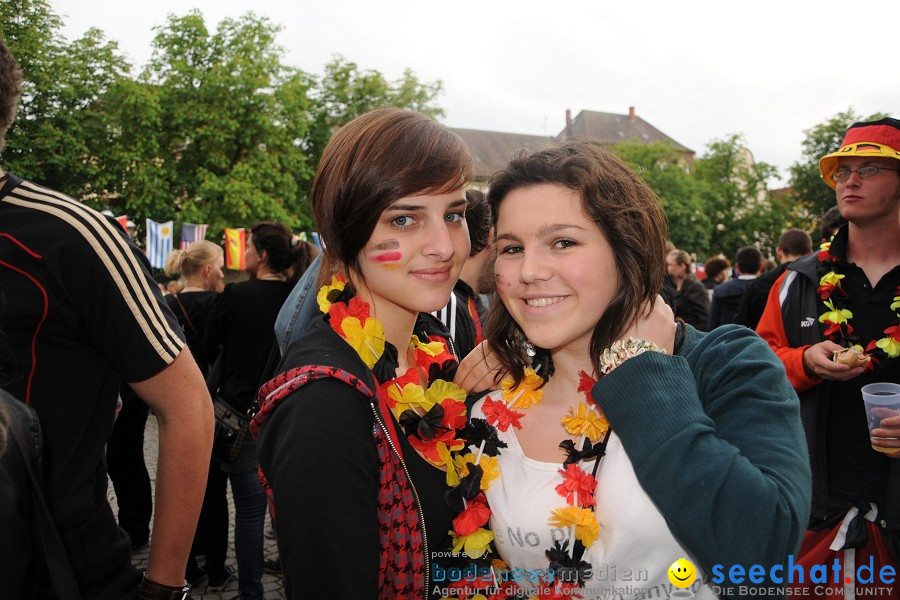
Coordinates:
column 228, row 120
column 51, row 139
column 345, row 91
column 719, row 203
column 216, row 128
column 813, row 197
column 680, row 193
column 742, row 210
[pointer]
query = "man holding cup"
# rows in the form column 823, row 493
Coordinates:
column 834, row 320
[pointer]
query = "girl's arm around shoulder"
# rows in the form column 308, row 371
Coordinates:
column 318, row 455
column 715, row 439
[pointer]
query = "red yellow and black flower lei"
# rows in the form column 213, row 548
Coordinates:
column 836, row 317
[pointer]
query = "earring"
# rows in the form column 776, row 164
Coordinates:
column 523, row 343
column 529, row 349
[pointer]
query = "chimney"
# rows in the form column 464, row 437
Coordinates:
column 568, row 123
column 631, row 114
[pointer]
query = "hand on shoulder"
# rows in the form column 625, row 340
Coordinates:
column 480, row 370
column 655, row 324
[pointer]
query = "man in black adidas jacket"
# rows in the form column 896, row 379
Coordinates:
column 81, row 313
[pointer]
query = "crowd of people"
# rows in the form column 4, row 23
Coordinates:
column 523, row 394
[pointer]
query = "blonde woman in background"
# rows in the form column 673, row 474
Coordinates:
column 202, row 279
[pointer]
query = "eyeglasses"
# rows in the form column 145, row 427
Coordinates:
column 843, row 174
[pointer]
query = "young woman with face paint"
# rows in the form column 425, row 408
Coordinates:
column 358, row 432
column 630, row 441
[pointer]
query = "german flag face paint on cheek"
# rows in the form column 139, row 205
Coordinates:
column 387, row 260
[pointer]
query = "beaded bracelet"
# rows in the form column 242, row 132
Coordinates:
column 622, row 350
column 151, row 590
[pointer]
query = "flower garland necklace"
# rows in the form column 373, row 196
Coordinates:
column 587, row 421
column 837, row 318
column 431, row 418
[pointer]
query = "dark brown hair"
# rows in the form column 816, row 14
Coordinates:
column 831, row 222
column 479, row 221
column 286, row 253
column 716, row 265
column 749, row 260
column 371, row 162
column 10, row 90
column 795, row 242
column 629, row 216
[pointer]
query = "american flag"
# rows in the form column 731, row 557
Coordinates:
column 191, row 233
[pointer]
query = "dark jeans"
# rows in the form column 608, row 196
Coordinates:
column 249, row 520
column 212, row 527
column 126, row 468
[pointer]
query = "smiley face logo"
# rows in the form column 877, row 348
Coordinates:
column 682, row 573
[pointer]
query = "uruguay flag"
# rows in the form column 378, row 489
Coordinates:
column 159, row 242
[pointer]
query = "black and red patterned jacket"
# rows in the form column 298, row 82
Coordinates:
column 350, row 495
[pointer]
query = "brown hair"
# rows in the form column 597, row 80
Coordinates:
column 629, row 216
column 681, row 257
column 371, row 162
column 716, row 265
column 286, row 252
column 478, row 219
column 191, row 261
column 795, row 242
column 10, row 90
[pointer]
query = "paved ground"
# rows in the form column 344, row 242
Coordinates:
column 274, row 587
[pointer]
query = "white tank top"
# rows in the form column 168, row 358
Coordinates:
column 635, row 549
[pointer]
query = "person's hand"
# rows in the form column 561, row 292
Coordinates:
column 656, row 324
column 479, row 371
column 817, row 361
column 887, row 435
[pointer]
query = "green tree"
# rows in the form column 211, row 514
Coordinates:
column 680, row 193
column 812, row 195
column 229, row 120
column 51, row 139
column 345, row 91
column 217, row 128
column 736, row 198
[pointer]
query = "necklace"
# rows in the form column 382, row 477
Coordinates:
column 836, row 317
column 577, row 486
column 433, row 417
column 586, row 421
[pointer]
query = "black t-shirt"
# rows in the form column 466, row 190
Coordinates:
column 198, row 306
column 855, row 470
column 80, row 313
column 242, row 322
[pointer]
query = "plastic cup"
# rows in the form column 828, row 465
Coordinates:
column 882, row 400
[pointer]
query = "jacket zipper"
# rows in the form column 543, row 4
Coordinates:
column 415, row 493
column 453, row 349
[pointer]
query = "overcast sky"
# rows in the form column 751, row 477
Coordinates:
column 698, row 71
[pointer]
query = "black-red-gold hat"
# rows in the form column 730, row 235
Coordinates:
column 870, row 138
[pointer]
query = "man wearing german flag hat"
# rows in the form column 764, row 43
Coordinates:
column 847, row 296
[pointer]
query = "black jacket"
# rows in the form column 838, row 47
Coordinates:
column 21, row 551
column 322, row 454
column 691, row 303
column 802, row 305
column 753, row 302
